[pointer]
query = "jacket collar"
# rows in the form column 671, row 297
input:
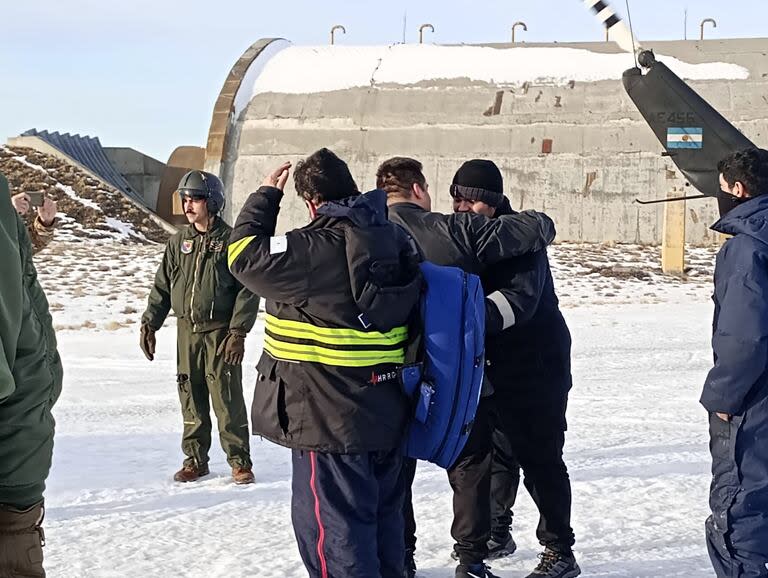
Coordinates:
column 192, row 232
column 367, row 210
column 748, row 217
column 406, row 206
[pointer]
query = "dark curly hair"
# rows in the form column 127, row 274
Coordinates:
column 397, row 176
column 323, row 176
column 749, row 167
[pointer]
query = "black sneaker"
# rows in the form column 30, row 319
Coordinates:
column 556, row 564
column 474, row 571
column 501, row 547
column 410, row 565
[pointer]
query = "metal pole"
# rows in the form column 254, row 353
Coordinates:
column 707, row 21
column 421, row 31
column 515, row 25
column 333, row 32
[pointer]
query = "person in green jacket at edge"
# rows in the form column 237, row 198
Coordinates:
column 214, row 312
column 30, row 383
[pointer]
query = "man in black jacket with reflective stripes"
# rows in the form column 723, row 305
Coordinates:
column 474, row 243
column 340, row 292
column 529, row 365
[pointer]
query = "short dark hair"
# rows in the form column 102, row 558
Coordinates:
column 397, row 176
column 323, row 176
column 749, row 167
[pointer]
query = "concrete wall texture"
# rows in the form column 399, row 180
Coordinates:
column 143, row 172
column 603, row 153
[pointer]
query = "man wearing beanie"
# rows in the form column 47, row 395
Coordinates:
column 529, row 368
column 474, row 243
column 479, row 180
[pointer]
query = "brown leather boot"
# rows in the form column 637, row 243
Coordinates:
column 242, row 475
column 191, row 472
column 21, row 541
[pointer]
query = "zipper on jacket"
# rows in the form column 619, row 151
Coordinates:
column 194, row 284
column 461, row 365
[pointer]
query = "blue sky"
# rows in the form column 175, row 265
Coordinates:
column 145, row 73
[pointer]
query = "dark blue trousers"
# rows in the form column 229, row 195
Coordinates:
column 737, row 530
column 347, row 513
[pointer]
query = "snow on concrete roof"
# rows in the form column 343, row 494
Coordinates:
column 310, row 69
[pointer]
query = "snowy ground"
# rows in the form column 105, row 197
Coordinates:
column 636, row 447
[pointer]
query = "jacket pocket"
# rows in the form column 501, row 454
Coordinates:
column 269, row 412
column 179, row 302
column 57, row 374
column 723, row 436
column 388, row 306
column 266, row 368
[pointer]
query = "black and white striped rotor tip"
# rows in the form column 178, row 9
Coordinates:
column 617, row 29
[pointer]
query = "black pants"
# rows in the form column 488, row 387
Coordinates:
column 470, row 478
column 347, row 513
column 535, row 441
column 409, row 473
column 505, row 481
column 737, row 532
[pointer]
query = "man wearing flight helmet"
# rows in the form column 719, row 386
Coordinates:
column 214, row 312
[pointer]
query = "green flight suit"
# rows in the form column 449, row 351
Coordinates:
column 194, row 280
column 30, row 384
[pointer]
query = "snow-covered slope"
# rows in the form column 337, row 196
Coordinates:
column 87, row 209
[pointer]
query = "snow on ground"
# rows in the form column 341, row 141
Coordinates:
column 636, row 447
column 88, row 208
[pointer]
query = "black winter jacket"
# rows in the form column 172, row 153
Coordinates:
column 474, row 242
column 529, row 362
column 348, row 279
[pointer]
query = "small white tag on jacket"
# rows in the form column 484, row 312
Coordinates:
column 278, row 245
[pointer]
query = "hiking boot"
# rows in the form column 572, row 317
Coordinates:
column 499, row 547
column 242, row 475
column 556, row 564
column 410, row 565
column 191, row 472
column 474, row 571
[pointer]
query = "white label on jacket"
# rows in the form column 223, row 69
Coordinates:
column 278, row 245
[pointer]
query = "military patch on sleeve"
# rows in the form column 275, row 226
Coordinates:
column 186, row 246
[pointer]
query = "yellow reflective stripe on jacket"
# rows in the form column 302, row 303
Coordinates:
column 341, row 358
column 236, row 248
column 334, row 336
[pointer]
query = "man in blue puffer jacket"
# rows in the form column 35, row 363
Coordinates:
column 736, row 389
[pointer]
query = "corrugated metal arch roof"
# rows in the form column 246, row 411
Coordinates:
column 88, row 152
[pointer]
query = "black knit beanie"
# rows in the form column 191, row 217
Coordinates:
column 479, row 180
